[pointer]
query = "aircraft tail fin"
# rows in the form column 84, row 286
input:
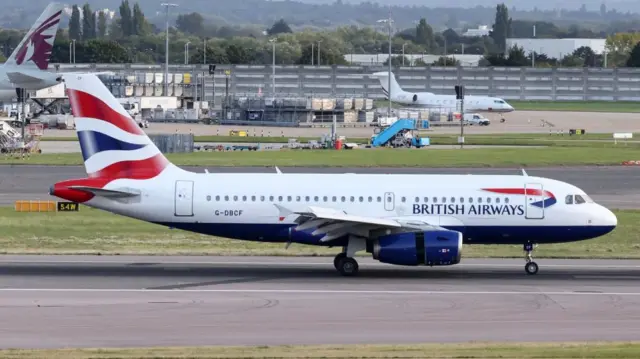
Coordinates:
column 113, row 145
column 383, row 77
column 34, row 51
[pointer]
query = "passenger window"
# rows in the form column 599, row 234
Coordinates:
column 353, row 199
column 298, row 198
column 325, row 198
column 479, row 199
column 568, row 199
column 343, row 198
column 279, row 198
column 435, row 200
column 334, row 198
column 426, row 199
column 488, row 199
column 461, row 199
column 379, row 199
column 288, row 198
column 444, row 200
column 244, row 198
column 217, row 198
column 262, row 198
column 470, row 199
column 453, row 200
column 498, row 200
column 506, row 200
column 403, row 199
column 579, row 199
column 417, row 199
column 208, row 198
column 307, row 198
column 361, row 198
column 370, row 199
column 253, row 198
column 316, row 198
column 235, row 198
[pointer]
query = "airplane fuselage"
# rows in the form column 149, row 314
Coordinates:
column 39, row 80
column 485, row 209
column 448, row 103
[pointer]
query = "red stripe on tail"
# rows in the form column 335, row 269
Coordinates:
column 86, row 105
column 138, row 170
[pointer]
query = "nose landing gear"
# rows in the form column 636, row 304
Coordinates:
column 531, row 267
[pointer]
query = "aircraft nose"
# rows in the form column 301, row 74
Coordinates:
column 610, row 218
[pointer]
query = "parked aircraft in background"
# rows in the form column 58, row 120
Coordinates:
column 27, row 66
column 400, row 219
column 445, row 103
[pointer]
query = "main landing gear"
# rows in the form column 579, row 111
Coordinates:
column 531, row 267
column 346, row 266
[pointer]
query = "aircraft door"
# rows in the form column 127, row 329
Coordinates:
column 184, row 198
column 389, row 201
column 534, row 206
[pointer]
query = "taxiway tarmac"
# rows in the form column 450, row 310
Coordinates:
column 611, row 186
column 68, row 301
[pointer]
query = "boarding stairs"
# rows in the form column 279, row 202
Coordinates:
column 398, row 134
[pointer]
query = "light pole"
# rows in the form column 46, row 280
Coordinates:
column 204, row 51
column 389, row 21
column 273, row 67
column 403, row 45
column 186, row 53
column 166, row 47
column 319, row 41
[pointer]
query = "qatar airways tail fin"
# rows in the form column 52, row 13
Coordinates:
column 113, row 145
column 34, row 51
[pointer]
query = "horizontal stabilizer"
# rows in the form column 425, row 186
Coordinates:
column 22, row 79
column 107, row 193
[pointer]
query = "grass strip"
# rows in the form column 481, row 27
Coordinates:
column 591, row 350
column 469, row 157
column 92, row 231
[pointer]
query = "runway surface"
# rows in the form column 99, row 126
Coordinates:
column 49, row 302
column 612, row 186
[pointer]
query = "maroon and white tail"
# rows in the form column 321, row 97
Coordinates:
column 34, row 51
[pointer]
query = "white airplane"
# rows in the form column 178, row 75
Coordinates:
column 27, row 66
column 400, row 219
column 443, row 102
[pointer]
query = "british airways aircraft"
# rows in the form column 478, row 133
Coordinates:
column 442, row 102
column 406, row 220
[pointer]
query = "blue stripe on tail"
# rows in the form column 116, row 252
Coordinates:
column 92, row 142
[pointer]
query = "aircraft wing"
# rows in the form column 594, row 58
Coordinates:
column 336, row 223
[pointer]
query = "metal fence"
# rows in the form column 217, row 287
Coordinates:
column 512, row 83
column 173, row 143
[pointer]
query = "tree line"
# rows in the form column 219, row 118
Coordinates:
column 130, row 37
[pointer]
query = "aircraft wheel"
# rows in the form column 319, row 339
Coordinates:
column 347, row 266
column 531, row 268
column 337, row 258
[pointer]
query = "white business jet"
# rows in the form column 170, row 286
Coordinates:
column 27, row 66
column 400, row 219
column 445, row 103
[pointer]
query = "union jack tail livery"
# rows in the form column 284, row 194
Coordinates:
column 113, row 145
column 35, row 48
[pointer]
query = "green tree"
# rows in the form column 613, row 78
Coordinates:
column 215, row 55
column 102, row 25
column 502, row 27
column 126, row 19
column 75, row 27
column 2, row 58
column 280, row 27
column 425, row 36
column 191, row 23
column 446, row 61
column 105, row 51
column 88, row 23
column 140, row 26
column 634, row 56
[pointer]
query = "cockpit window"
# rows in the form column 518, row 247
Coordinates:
column 498, row 101
column 569, row 199
column 579, row 199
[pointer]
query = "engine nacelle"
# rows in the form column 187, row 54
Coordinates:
column 432, row 248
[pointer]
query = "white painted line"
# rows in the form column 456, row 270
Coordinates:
column 310, row 291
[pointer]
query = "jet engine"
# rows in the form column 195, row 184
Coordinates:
column 431, row 248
